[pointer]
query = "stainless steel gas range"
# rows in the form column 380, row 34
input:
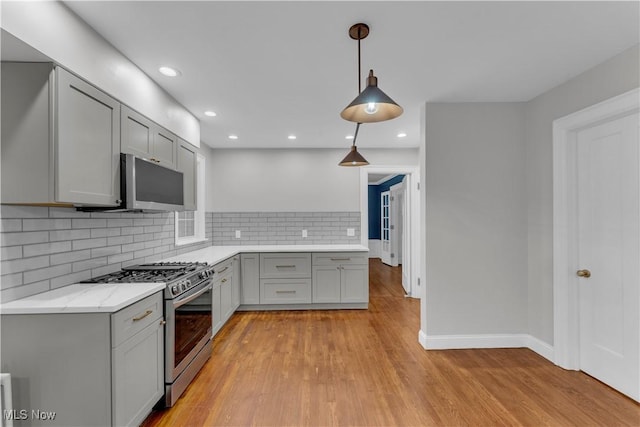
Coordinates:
column 187, row 311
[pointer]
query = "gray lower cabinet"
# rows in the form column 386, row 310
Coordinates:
column 285, row 278
column 250, row 279
column 235, row 284
column 91, row 369
column 340, row 277
column 222, row 294
column 60, row 138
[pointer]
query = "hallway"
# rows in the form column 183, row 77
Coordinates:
column 366, row 368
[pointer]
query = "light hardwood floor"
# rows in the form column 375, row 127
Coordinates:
column 366, row 368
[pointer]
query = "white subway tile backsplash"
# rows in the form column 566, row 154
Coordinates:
column 89, row 223
column 10, row 252
column 11, row 211
column 68, row 257
column 46, row 248
column 69, row 279
column 89, row 264
column 10, row 280
column 23, row 238
column 23, row 264
column 89, row 243
column 55, row 236
column 46, row 273
column 45, row 224
column 9, row 225
column 67, row 246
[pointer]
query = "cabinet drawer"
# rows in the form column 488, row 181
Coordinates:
column 224, row 267
column 285, row 291
column 340, row 258
column 274, row 266
column 134, row 318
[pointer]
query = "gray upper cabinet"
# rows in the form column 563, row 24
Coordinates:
column 86, row 142
column 187, row 164
column 144, row 138
column 137, row 133
column 60, row 138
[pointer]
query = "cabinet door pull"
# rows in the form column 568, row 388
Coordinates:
column 285, row 266
column 223, row 280
column 163, row 322
column 142, row 316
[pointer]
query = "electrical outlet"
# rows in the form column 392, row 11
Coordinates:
column 304, row 234
column 351, row 232
column 238, row 234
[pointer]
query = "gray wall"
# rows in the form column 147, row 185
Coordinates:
column 291, row 180
column 476, row 250
column 616, row 76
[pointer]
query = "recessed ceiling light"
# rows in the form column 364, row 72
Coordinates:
column 233, row 136
column 210, row 113
column 402, row 135
column 169, row 72
column 348, row 137
column 292, row 137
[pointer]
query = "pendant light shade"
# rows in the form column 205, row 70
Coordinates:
column 353, row 158
column 371, row 105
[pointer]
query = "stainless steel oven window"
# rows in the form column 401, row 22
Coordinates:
column 188, row 328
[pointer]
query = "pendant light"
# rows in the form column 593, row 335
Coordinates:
column 354, row 158
column 372, row 104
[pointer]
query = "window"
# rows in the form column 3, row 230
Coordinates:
column 190, row 225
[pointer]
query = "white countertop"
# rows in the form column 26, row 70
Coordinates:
column 110, row 297
column 83, row 298
column 215, row 254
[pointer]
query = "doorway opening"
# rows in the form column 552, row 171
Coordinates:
column 390, row 220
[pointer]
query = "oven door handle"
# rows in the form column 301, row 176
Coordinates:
column 182, row 302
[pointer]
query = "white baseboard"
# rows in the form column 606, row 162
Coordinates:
column 450, row 342
column 542, row 348
column 375, row 247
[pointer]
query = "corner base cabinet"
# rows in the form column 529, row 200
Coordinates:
column 86, row 369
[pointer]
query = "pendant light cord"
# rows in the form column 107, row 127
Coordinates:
column 355, row 135
column 359, row 70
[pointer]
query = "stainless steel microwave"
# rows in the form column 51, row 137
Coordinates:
column 145, row 185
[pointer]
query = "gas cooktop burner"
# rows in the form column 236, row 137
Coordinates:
column 156, row 272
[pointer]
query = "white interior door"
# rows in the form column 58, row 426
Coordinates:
column 608, row 193
column 395, row 226
column 405, row 258
column 385, row 227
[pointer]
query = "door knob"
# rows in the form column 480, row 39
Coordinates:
column 583, row 273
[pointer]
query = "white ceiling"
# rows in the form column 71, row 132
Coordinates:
column 270, row 69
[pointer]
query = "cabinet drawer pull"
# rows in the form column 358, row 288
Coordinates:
column 224, row 269
column 163, row 322
column 223, row 280
column 285, row 292
column 285, row 266
column 340, row 259
column 142, row 316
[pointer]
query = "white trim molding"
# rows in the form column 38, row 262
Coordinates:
column 413, row 194
column 451, row 342
column 565, row 205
